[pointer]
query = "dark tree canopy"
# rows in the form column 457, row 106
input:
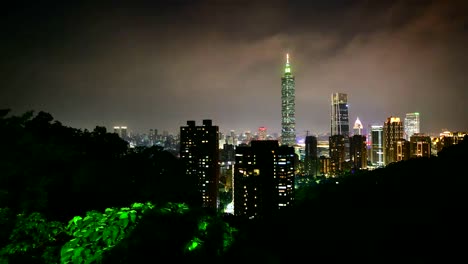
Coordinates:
column 64, row 171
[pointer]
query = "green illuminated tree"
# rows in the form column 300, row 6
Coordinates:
column 33, row 240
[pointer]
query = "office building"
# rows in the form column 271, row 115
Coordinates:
column 411, row 125
column 340, row 119
column 376, row 149
column 392, row 132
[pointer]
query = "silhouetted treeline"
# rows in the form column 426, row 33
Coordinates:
column 409, row 212
column 62, row 171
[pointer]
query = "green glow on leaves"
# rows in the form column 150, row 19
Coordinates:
column 193, row 244
column 137, row 205
column 123, row 215
column 203, row 225
column 76, row 219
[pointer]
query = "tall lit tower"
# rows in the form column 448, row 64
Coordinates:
column 288, row 120
column 411, row 124
column 340, row 118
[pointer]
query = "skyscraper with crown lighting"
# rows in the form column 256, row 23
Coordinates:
column 357, row 128
column 288, row 106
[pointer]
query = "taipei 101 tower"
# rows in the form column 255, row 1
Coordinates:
column 288, row 111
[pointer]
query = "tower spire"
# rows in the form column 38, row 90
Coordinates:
column 287, row 68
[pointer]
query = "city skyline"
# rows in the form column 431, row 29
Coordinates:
column 157, row 64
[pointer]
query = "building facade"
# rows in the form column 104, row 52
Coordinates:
column 392, row 132
column 358, row 152
column 411, row 125
column 263, row 178
column 340, row 118
column 121, row 131
column 420, row 146
column 199, row 152
column 262, row 133
column 402, row 148
column 311, row 162
column 337, row 154
column 376, row 149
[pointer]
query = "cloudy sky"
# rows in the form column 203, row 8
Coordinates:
column 157, row 64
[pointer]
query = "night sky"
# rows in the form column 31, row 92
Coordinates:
column 157, row 64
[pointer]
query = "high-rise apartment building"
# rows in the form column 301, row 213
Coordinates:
column 377, row 146
column 288, row 106
column 263, row 178
column 340, row 119
column 411, row 125
column 392, row 132
column 199, row 151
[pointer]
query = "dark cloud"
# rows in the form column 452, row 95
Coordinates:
column 156, row 64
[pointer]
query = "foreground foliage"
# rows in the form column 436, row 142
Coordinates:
column 92, row 238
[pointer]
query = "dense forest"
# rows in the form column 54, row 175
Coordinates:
column 76, row 196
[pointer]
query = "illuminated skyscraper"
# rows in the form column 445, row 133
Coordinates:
column 377, row 145
column 411, row 125
column 288, row 120
column 340, row 119
column 199, row 151
column 392, row 133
